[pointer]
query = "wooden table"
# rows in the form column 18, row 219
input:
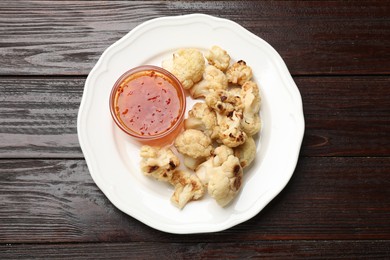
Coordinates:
column 337, row 203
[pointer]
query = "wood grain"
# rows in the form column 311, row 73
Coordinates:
column 324, row 38
column 328, row 198
column 346, row 116
column 355, row 249
column 38, row 116
column 336, row 204
column 343, row 116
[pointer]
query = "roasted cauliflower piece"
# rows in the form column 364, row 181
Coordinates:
column 187, row 187
column 236, row 91
column 246, row 152
column 230, row 132
column 187, row 65
column 218, row 57
column 221, row 174
column 251, row 125
column 194, row 144
column 251, row 99
column 220, row 155
column 224, row 101
column 213, row 79
column 239, row 73
column 158, row 162
column 202, row 118
column 192, row 163
column 226, row 181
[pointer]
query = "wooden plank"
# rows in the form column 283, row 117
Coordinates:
column 357, row 249
column 67, row 38
column 38, row 117
column 344, row 116
column 48, row 201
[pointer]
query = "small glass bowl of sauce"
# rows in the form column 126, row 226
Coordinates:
column 148, row 103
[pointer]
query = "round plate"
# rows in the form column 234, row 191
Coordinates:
column 113, row 159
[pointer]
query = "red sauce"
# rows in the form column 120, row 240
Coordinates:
column 148, row 103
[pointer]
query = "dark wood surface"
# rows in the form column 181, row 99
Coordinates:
column 337, row 204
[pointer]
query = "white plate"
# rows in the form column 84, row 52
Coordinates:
column 113, row 159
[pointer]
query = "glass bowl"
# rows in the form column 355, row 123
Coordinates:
column 148, row 103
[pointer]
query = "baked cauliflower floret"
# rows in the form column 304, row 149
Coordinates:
column 187, row 187
column 194, row 145
column 246, row 152
column 226, row 180
column 251, row 125
column 230, row 132
column 224, row 101
column 220, row 155
column 239, row 73
column 187, row 65
column 251, row 99
column 158, row 162
column 221, row 174
column 213, row 79
column 218, row 57
column 202, row 118
column 236, row 91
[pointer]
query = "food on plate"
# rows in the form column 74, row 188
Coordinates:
column 224, row 102
column 188, row 187
column 230, row 131
column 213, row 79
column 202, row 117
column 187, row 65
column 158, row 163
column 246, row 152
column 161, row 164
column 222, row 174
column 218, row 57
column 225, row 181
column 239, row 73
column 218, row 139
column 148, row 103
column 250, row 122
column 194, row 145
column 220, row 155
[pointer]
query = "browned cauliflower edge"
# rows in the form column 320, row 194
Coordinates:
column 161, row 164
column 239, row 73
column 188, row 187
column 230, row 132
column 201, row 117
column 246, row 152
column 158, row 162
column 251, row 100
column 226, row 181
column 218, row 57
column 222, row 174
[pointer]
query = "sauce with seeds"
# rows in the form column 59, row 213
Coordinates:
column 148, row 103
